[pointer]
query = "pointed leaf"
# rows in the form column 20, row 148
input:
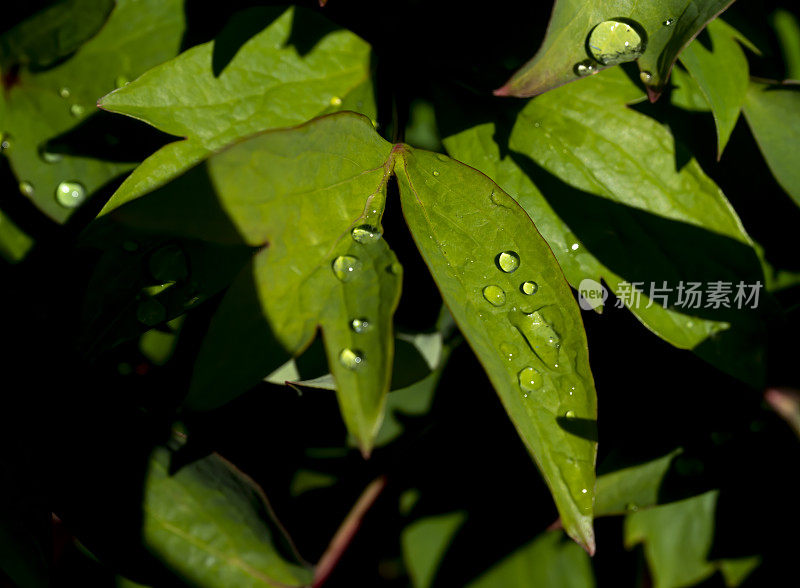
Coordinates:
column 631, row 488
column 14, row 243
column 509, row 297
column 424, row 543
column 664, row 29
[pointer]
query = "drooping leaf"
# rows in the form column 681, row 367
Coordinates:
column 773, row 113
column 272, row 81
column 580, row 42
column 14, row 243
column 631, row 488
column 507, row 294
column 722, row 73
column 548, row 560
column 618, row 200
column 43, row 107
column 424, row 543
column 212, row 525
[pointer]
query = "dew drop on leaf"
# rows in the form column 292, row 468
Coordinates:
column 529, row 288
column 49, row 156
column 507, row 261
column 583, row 69
column 530, row 380
column 76, row 110
column 5, row 142
column 646, row 77
column 570, row 414
column 360, row 325
column 70, row 194
column 435, row 172
column 613, row 42
column 345, row 267
column 64, row 92
column 365, row 234
column 669, row 22
column 352, row 359
column 26, row 189
column 494, row 295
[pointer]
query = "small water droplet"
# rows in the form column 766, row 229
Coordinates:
column 121, row 80
column 585, row 68
column 494, row 295
column 442, row 157
column 537, row 124
column 360, row 325
column 5, row 142
column 632, row 507
column 529, row 380
column 646, row 77
column 508, row 351
column 352, row 359
column 507, row 261
column 584, row 491
column 70, row 194
column 64, row 92
column 530, row 287
column 574, row 246
column 570, row 414
column 26, row 189
column 613, row 42
column 395, row 268
column 435, row 172
column 336, row 101
column 151, row 312
column 669, row 22
column 345, row 267
column 365, row 234
column 76, row 110
column 49, row 156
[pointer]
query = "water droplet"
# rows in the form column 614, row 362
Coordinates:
column 435, row 173
column 352, row 359
column 365, row 234
column 530, row 380
column 575, row 246
column 508, row 261
column 49, row 156
column 570, row 414
column 585, row 68
column 508, row 351
column 70, row 194
column 530, row 287
column 168, row 264
column 632, row 507
column 151, row 312
column 64, row 92
column 613, row 42
column 669, row 22
column 5, row 142
column 395, row 268
column 360, row 325
column 76, row 110
column 584, row 491
column 345, row 267
column 646, row 77
column 26, row 189
column 121, row 81
column 336, row 101
column 494, row 295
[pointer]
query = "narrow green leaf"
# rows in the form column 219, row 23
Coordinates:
column 579, row 42
column 787, row 28
column 722, row 73
column 424, row 543
column 41, row 106
column 509, row 297
column 617, row 200
column 773, row 113
column 213, row 526
column 270, row 82
column 631, row 488
column 547, row 561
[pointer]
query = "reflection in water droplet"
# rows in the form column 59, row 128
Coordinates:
column 360, row 325
column 151, row 312
column 168, row 264
column 574, row 246
column 613, row 42
column 530, row 287
column 508, row 261
column 365, row 234
column 508, row 351
column 529, row 380
column 64, row 92
column 646, row 77
column 345, row 267
column 570, row 414
column 336, row 101
column 352, row 359
column 70, row 194
column 26, row 189
column 435, row 173
column 76, row 110
column 583, row 69
column 495, row 295
column 669, row 22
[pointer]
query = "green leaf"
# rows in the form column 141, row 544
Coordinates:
column 722, row 73
column 42, row 106
column 213, row 526
column 787, row 28
column 533, row 347
column 631, row 488
column 686, row 93
column 773, row 113
column 14, row 243
column 272, row 81
column 424, row 543
column 618, row 200
column 567, row 45
column 677, row 539
column 547, row 561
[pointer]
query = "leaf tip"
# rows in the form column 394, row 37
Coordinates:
column 654, row 94
column 502, row 91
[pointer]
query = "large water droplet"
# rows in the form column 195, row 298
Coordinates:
column 352, row 359
column 151, row 312
column 508, row 261
column 585, row 68
column 70, row 194
column 168, row 264
column 495, row 295
column 345, row 267
column 360, row 325
column 395, row 268
column 570, row 414
column 529, row 380
column 26, row 189
column 529, row 288
column 365, row 234
column 613, row 42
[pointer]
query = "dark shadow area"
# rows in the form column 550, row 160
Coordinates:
column 241, row 27
column 583, row 428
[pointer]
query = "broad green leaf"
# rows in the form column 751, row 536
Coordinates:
column 270, row 82
column 722, row 73
column 686, row 93
column 677, row 539
column 578, row 38
column 773, row 113
column 617, row 200
column 42, row 106
column 213, row 526
column 548, row 561
column 787, row 28
column 507, row 294
column 631, row 488
column 14, row 243
column 424, row 543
